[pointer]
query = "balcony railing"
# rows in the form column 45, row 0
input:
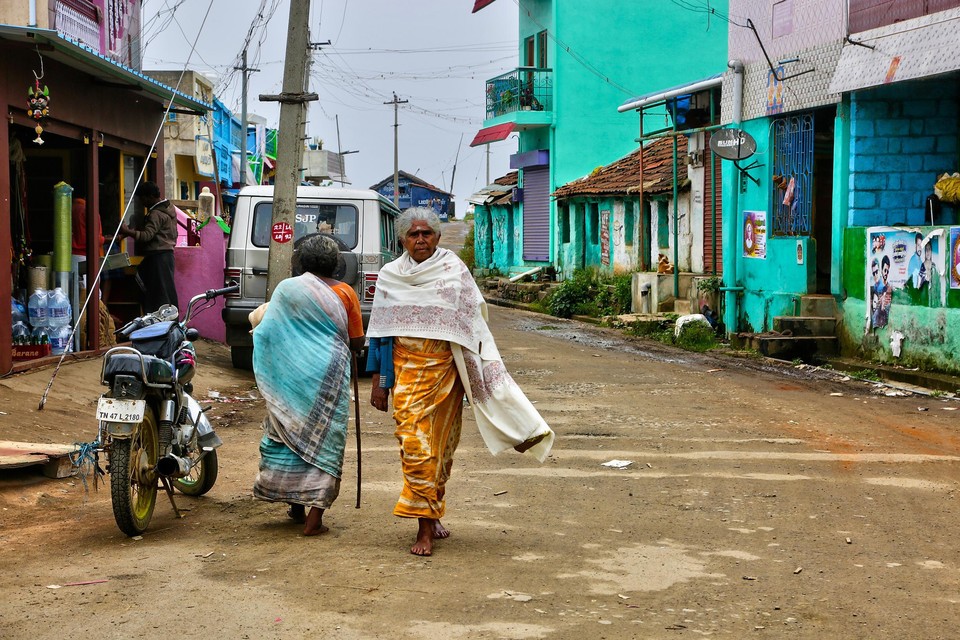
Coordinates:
column 522, row 89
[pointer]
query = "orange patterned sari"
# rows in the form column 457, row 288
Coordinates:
column 428, row 406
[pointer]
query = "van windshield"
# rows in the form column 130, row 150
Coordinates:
column 339, row 219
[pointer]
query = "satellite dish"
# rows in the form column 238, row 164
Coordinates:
column 733, row 144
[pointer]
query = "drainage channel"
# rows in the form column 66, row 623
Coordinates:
column 925, row 379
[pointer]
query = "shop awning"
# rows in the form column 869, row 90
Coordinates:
column 492, row 134
column 480, row 4
column 83, row 58
column 921, row 47
column 665, row 94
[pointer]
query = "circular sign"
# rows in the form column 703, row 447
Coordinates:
column 733, row 144
column 281, row 232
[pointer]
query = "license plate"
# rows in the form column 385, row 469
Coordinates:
column 115, row 410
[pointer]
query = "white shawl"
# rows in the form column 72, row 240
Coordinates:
column 439, row 299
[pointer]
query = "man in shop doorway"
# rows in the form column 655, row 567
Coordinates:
column 155, row 233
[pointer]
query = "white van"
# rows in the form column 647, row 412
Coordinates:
column 361, row 219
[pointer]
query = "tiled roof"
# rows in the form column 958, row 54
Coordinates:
column 500, row 191
column 623, row 176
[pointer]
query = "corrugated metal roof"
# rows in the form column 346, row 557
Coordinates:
column 500, row 191
column 80, row 56
column 623, row 176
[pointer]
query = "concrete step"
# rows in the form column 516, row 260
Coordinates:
column 806, row 325
column 818, row 305
column 682, row 307
column 792, row 347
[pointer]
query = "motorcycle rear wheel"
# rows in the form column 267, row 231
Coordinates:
column 202, row 477
column 133, row 477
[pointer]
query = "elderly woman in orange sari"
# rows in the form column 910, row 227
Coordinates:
column 430, row 346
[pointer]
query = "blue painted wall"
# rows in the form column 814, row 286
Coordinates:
column 902, row 137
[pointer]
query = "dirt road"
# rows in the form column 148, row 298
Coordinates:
column 758, row 502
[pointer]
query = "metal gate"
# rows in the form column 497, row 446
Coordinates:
column 792, row 182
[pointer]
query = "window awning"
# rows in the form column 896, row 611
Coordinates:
column 919, row 44
column 480, row 4
column 658, row 96
column 492, row 134
column 82, row 57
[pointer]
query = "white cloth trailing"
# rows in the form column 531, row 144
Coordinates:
column 438, row 299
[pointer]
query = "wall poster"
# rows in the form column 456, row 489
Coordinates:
column 755, row 234
column 955, row 257
column 900, row 259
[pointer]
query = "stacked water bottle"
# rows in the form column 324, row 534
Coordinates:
column 50, row 318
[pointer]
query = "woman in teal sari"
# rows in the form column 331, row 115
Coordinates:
column 301, row 360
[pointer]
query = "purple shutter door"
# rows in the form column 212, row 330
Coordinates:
column 536, row 213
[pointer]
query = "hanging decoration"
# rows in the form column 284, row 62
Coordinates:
column 38, row 102
column 38, row 107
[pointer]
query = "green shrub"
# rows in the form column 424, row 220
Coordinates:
column 696, row 336
column 575, row 296
column 468, row 252
column 615, row 295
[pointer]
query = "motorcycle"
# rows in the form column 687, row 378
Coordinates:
column 153, row 432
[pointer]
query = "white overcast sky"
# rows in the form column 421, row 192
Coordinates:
column 434, row 53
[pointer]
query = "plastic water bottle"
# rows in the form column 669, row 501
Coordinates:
column 21, row 333
column 37, row 308
column 40, row 335
column 17, row 311
column 60, row 339
column 58, row 308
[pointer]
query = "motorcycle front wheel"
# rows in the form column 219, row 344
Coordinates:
column 133, row 477
column 202, row 476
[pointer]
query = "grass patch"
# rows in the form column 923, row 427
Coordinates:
column 866, row 374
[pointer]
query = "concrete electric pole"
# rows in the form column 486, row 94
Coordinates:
column 246, row 71
column 396, row 153
column 289, row 143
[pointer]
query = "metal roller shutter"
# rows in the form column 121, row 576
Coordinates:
column 536, row 213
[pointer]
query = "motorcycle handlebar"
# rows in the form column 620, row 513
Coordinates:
column 213, row 293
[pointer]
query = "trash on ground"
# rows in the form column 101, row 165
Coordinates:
column 617, row 464
column 923, row 409
column 499, row 493
column 837, row 394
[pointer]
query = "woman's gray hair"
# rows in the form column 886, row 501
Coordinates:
column 317, row 255
column 406, row 219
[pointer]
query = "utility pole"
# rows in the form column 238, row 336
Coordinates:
column 246, row 71
column 396, row 153
column 488, row 164
column 293, row 102
column 341, row 153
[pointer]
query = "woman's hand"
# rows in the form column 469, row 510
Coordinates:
column 378, row 396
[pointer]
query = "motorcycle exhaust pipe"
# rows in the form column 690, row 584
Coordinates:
column 173, row 466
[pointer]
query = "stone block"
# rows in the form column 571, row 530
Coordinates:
column 939, row 164
column 870, row 146
column 920, row 144
column 940, row 126
column 860, row 163
column 893, row 127
column 868, row 181
column 901, row 163
column 862, row 127
column 920, row 181
column 896, row 199
column 894, row 180
column 864, row 199
column 920, row 108
column 947, row 145
column 866, row 218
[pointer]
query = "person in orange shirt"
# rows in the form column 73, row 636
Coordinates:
column 303, row 339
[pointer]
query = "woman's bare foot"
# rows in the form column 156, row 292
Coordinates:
column 439, row 531
column 314, row 525
column 297, row 513
column 424, row 544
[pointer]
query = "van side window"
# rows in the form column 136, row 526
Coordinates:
column 388, row 233
column 311, row 217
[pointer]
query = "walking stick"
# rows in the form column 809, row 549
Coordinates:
column 356, row 405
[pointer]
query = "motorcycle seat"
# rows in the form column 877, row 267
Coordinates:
column 159, row 371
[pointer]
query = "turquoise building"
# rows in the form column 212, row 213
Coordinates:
column 855, row 116
column 579, row 62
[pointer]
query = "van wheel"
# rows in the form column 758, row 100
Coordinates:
column 242, row 357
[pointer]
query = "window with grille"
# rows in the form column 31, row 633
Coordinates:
column 792, row 182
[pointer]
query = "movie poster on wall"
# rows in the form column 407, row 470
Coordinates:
column 755, row 234
column 900, row 259
column 955, row 257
